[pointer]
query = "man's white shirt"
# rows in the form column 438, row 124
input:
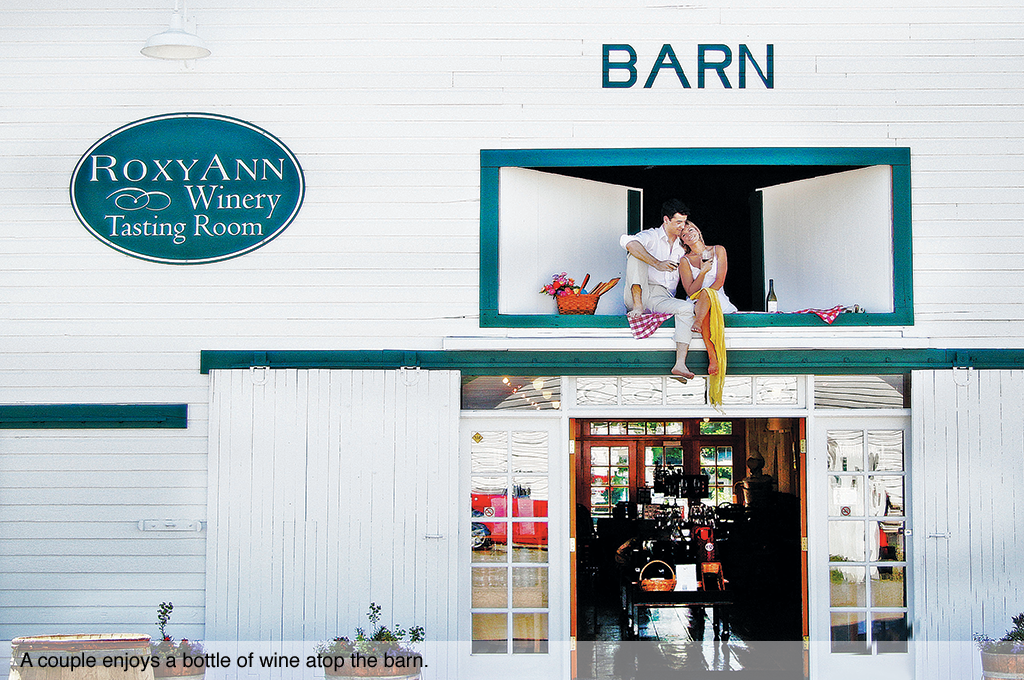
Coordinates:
column 656, row 242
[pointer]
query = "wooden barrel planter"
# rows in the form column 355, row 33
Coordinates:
column 997, row 666
column 80, row 657
column 408, row 670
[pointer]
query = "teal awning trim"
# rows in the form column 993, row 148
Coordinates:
column 741, row 362
column 92, row 416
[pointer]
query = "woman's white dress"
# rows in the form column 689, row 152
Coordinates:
column 709, row 279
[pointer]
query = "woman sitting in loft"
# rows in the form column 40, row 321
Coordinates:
column 703, row 281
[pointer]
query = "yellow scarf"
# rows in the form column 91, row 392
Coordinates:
column 715, row 382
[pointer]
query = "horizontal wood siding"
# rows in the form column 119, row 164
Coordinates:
column 72, row 556
column 968, row 483
column 330, row 490
column 388, row 108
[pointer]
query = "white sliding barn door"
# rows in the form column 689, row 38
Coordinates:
column 828, row 240
column 329, row 489
column 550, row 224
column 968, row 500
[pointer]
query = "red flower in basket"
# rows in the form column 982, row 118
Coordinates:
column 560, row 285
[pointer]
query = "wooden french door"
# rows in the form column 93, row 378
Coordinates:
column 615, row 459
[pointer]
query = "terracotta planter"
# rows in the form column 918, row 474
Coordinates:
column 1002, row 666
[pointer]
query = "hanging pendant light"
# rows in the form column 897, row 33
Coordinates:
column 176, row 42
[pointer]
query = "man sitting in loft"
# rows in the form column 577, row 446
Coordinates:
column 652, row 276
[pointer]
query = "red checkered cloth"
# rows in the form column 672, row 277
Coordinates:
column 644, row 325
column 826, row 315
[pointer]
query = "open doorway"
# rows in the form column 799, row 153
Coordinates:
column 689, row 534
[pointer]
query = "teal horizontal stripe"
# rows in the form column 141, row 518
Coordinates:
column 92, row 416
column 539, row 158
column 741, row 362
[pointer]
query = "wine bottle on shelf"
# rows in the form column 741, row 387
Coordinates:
column 771, row 302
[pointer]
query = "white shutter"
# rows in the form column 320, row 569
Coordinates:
column 828, row 240
column 550, row 224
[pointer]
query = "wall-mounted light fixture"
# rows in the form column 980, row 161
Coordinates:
column 176, row 42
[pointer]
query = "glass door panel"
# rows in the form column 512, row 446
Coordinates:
column 513, row 577
column 855, row 495
column 863, row 521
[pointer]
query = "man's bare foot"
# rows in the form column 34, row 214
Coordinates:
column 681, row 371
column 695, row 329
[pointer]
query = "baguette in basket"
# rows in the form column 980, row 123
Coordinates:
column 572, row 300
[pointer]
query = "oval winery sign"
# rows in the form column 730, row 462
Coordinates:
column 187, row 188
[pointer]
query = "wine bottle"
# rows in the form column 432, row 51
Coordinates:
column 772, row 302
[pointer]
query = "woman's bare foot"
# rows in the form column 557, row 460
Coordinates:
column 712, row 368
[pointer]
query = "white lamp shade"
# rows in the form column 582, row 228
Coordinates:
column 175, row 43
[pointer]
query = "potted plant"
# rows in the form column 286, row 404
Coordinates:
column 383, row 652
column 1004, row 658
column 175, row 659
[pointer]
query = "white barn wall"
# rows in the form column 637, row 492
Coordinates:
column 71, row 500
column 387, row 112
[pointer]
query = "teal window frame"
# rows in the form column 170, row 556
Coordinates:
column 897, row 158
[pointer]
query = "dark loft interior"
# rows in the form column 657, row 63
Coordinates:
column 720, row 198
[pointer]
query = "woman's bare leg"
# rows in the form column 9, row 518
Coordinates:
column 705, row 332
column 700, row 312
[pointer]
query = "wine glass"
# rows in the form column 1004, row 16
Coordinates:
column 707, row 255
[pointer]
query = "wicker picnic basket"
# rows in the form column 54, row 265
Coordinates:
column 577, row 304
column 657, row 584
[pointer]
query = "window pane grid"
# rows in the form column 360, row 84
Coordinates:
column 635, row 428
column 716, row 463
column 609, row 475
column 867, row 547
column 509, row 572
